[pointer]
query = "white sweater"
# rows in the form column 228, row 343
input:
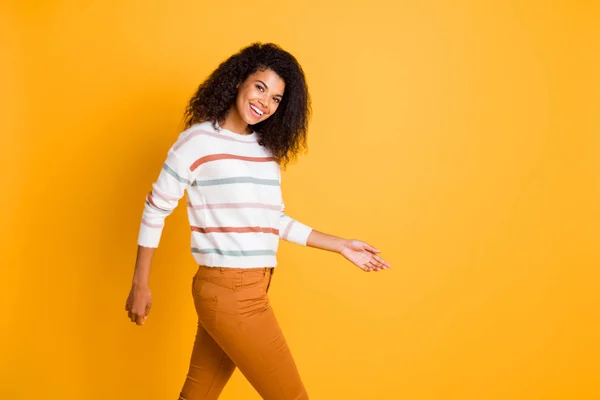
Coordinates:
column 235, row 207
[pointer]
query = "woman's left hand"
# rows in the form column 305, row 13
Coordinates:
column 364, row 256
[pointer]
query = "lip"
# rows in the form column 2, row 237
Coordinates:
column 254, row 113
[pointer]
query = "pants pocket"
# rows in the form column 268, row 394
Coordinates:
column 198, row 284
column 205, row 302
column 270, row 274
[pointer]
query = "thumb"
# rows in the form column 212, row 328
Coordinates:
column 372, row 249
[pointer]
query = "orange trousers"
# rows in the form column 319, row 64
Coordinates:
column 237, row 328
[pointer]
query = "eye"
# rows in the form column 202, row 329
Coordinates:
column 276, row 100
column 260, row 88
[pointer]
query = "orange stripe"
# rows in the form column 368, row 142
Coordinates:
column 215, row 157
column 152, row 202
column 228, row 229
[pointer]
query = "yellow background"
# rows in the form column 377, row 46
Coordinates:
column 461, row 137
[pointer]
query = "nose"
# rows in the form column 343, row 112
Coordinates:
column 264, row 101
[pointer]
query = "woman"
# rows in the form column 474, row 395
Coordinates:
column 245, row 122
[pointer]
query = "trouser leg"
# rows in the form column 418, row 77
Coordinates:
column 210, row 369
column 243, row 324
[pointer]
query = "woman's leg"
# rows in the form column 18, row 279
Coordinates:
column 234, row 308
column 210, row 369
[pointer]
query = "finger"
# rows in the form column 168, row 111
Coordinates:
column 378, row 263
column 148, row 309
column 130, row 316
column 380, row 266
column 139, row 320
column 382, row 261
column 373, row 266
column 366, row 267
column 371, row 248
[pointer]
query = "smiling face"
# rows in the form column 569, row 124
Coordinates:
column 259, row 96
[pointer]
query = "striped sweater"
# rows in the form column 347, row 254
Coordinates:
column 235, row 207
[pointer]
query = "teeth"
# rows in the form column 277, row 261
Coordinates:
column 257, row 110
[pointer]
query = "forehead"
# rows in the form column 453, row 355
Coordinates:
column 270, row 77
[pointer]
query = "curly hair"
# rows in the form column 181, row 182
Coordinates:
column 283, row 133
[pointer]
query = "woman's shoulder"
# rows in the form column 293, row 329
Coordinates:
column 194, row 140
column 204, row 139
column 198, row 128
column 206, row 126
column 195, row 133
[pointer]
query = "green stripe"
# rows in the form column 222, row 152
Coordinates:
column 238, row 179
column 235, row 253
column 175, row 175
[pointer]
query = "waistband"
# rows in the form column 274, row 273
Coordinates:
column 205, row 269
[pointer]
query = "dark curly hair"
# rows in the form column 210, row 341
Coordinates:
column 283, row 133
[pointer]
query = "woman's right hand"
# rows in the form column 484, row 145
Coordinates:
column 138, row 304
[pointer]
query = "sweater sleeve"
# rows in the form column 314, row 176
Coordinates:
column 169, row 188
column 292, row 230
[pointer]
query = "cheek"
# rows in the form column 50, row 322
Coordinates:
column 239, row 100
column 244, row 94
column 250, row 92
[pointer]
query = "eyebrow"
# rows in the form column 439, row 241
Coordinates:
column 258, row 80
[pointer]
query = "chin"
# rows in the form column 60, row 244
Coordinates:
column 250, row 121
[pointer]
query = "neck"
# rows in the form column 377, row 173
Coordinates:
column 234, row 122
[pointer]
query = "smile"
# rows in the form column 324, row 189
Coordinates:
column 256, row 110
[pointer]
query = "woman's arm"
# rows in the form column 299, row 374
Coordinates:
column 139, row 300
column 359, row 253
column 173, row 179
column 141, row 274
